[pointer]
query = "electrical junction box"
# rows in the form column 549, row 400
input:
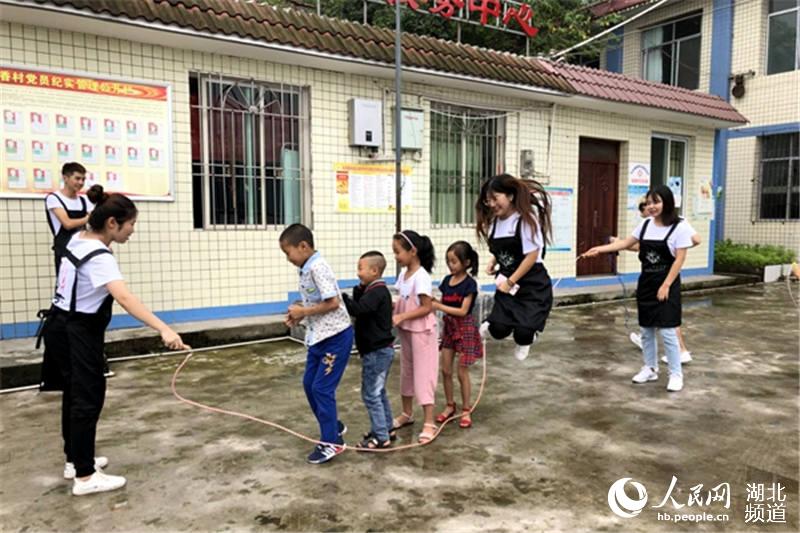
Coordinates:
column 526, row 169
column 366, row 124
column 412, row 124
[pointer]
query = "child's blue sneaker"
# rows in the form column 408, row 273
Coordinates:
column 324, row 453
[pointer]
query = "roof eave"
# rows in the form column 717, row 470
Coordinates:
column 655, row 113
column 68, row 18
column 71, row 19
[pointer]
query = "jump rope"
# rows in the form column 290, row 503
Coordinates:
column 301, row 436
column 210, row 408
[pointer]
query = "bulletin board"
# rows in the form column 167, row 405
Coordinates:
column 120, row 130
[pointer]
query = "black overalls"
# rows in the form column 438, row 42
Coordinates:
column 657, row 260
column 61, row 239
column 529, row 308
column 74, row 363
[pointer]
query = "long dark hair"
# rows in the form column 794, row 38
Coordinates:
column 526, row 195
column 113, row 205
column 423, row 245
column 466, row 254
column 669, row 215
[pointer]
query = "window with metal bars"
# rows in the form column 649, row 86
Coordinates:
column 249, row 152
column 467, row 146
column 779, row 183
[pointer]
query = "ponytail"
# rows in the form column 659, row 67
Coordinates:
column 466, row 254
column 409, row 239
column 109, row 205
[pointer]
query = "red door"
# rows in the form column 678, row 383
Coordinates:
column 598, row 180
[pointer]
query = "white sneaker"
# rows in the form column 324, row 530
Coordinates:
column 636, row 339
column 686, row 357
column 484, row 331
column 98, row 482
column 99, row 463
column 521, row 352
column 646, row 374
column 675, row 383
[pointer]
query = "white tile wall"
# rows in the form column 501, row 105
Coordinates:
column 172, row 266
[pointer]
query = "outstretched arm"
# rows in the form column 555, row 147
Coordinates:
column 124, row 297
column 616, row 246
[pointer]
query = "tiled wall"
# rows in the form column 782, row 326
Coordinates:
column 768, row 100
column 172, row 266
column 632, row 48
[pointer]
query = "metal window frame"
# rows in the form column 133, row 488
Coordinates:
column 675, row 61
column 302, row 116
column 796, row 39
column 670, row 138
column 499, row 152
column 788, row 185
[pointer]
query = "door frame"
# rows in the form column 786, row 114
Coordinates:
column 615, row 190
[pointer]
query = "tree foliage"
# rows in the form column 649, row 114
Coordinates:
column 561, row 24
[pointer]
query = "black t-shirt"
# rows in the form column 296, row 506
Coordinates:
column 454, row 296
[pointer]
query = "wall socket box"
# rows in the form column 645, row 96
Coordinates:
column 366, row 124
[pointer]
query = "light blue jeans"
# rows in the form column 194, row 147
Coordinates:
column 374, row 373
column 671, row 347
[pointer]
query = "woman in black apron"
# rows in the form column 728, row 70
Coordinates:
column 89, row 281
column 66, row 220
column 663, row 239
column 514, row 217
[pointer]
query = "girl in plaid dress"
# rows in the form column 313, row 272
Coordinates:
column 460, row 333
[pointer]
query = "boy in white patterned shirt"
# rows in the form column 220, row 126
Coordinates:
column 329, row 336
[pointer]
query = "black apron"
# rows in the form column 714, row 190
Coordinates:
column 530, row 306
column 61, row 239
column 53, row 324
column 657, row 260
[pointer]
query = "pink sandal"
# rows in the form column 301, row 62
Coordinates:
column 427, row 436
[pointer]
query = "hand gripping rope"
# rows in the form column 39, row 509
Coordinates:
column 210, row 408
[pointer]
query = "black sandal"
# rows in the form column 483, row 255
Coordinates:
column 372, row 443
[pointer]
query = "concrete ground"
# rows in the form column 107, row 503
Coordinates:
column 550, row 437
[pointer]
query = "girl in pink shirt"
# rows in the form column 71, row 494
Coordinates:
column 416, row 325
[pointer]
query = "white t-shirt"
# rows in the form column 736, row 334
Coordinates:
column 92, row 276
column 317, row 284
column 73, row 204
column 506, row 228
column 419, row 283
column 680, row 238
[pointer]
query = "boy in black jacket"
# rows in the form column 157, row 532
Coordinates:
column 371, row 306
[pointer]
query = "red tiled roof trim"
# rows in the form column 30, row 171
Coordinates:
column 309, row 31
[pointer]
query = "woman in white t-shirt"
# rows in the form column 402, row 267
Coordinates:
column 663, row 239
column 88, row 283
column 67, row 212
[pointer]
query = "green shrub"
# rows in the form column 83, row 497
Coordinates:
column 746, row 258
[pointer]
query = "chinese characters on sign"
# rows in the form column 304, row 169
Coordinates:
column 486, row 11
column 119, row 129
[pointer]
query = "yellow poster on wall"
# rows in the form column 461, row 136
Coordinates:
column 370, row 188
column 119, row 130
